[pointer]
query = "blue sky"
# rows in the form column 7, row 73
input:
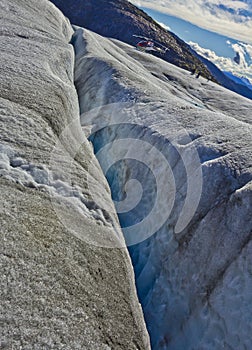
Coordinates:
column 190, row 32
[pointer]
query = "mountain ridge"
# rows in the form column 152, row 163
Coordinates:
column 121, row 20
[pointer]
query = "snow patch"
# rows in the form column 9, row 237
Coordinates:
column 17, row 169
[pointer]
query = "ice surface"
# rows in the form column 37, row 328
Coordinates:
column 39, row 177
column 60, row 288
column 147, row 118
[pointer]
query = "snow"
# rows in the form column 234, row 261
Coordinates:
column 177, row 154
column 19, row 170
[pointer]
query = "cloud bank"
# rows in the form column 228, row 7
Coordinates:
column 232, row 18
column 244, row 68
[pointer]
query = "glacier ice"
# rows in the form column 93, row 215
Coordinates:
column 59, row 287
column 183, row 273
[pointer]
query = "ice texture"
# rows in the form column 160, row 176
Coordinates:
column 60, row 287
column 193, row 272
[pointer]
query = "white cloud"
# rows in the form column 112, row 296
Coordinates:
column 240, row 50
column 227, row 64
column 248, row 49
column 232, row 18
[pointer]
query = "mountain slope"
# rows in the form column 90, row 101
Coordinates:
column 120, row 19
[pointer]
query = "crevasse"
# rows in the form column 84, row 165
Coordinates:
column 173, row 178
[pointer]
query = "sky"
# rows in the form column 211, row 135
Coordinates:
column 211, row 40
column 231, row 18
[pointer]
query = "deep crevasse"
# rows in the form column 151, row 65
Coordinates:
column 158, row 142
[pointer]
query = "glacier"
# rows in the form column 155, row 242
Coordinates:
column 176, row 153
column 60, row 288
column 153, row 124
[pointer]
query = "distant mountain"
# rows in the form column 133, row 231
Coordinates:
column 240, row 80
column 225, row 80
column 119, row 19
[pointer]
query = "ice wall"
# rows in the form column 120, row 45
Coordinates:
column 183, row 145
